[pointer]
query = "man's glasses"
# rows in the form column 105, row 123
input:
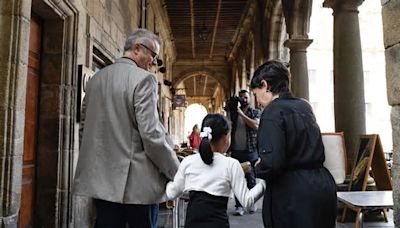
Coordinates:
column 153, row 54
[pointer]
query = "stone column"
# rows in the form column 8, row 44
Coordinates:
column 349, row 99
column 297, row 18
column 391, row 35
column 298, row 66
column 14, row 27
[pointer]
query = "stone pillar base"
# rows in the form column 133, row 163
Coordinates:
column 9, row 222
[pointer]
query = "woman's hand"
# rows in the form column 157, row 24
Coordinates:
column 246, row 166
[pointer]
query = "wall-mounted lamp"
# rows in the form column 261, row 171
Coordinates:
column 171, row 88
column 161, row 68
column 167, row 82
column 203, row 32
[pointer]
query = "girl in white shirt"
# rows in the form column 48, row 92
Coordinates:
column 210, row 177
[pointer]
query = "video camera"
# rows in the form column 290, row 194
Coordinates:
column 232, row 103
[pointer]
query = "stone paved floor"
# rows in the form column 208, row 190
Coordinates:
column 255, row 220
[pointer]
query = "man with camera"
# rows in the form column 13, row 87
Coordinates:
column 245, row 120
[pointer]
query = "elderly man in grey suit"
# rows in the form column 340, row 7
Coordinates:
column 126, row 156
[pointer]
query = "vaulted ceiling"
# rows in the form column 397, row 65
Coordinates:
column 219, row 17
column 203, row 31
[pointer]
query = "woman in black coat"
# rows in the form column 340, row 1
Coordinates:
column 300, row 191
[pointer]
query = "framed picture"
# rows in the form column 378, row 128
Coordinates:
column 362, row 163
column 179, row 101
column 369, row 159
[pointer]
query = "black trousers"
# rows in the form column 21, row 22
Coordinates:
column 116, row 215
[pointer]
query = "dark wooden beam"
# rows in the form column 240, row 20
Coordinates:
column 192, row 28
column 215, row 28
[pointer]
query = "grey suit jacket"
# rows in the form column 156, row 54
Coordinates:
column 126, row 155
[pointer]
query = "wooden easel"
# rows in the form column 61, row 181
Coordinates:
column 369, row 156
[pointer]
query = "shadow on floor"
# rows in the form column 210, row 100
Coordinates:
column 255, row 220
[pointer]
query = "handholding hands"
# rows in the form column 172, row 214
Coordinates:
column 246, row 166
column 177, row 147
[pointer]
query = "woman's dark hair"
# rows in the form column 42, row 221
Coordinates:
column 275, row 73
column 220, row 126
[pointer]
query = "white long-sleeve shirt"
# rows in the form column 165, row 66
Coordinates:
column 223, row 176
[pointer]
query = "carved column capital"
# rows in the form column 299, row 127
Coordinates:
column 298, row 44
column 350, row 5
column 297, row 17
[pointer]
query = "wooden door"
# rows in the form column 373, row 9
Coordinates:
column 31, row 125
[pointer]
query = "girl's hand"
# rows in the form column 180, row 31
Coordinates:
column 257, row 162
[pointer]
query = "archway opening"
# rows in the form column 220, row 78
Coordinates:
column 194, row 114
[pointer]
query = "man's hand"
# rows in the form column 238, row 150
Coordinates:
column 246, row 166
column 252, row 123
column 240, row 111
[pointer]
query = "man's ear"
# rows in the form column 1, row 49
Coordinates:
column 135, row 49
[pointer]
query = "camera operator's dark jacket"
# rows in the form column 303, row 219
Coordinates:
column 251, row 134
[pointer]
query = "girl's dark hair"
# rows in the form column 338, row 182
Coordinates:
column 275, row 73
column 220, row 126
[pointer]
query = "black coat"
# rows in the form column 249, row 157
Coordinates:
column 300, row 191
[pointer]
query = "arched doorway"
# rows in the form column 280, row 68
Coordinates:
column 194, row 114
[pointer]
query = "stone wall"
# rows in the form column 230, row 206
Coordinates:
column 107, row 25
column 71, row 31
column 13, row 70
column 391, row 31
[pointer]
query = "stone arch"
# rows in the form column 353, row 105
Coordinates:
column 275, row 29
column 235, row 69
column 238, row 75
column 185, row 74
column 196, row 112
column 250, row 56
